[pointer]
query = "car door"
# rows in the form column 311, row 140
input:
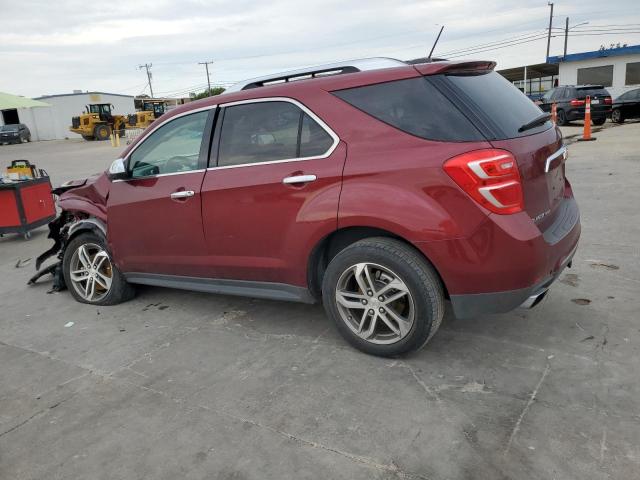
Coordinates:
column 154, row 216
column 272, row 192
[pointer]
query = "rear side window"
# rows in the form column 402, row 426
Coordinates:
column 269, row 131
column 414, row 106
column 500, row 102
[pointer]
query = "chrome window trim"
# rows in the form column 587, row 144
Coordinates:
column 156, row 127
column 305, row 109
column 562, row 151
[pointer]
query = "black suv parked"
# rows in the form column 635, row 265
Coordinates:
column 626, row 106
column 570, row 100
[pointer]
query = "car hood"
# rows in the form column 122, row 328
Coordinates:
column 88, row 196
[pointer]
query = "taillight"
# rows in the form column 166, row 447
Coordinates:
column 607, row 100
column 490, row 177
column 576, row 102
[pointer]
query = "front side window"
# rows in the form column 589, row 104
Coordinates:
column 269, row 131
column 172, row 148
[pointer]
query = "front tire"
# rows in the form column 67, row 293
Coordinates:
column 384, row 297
column 102, row 132
column 90, row 274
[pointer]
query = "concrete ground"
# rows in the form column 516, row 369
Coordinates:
column 193, row 386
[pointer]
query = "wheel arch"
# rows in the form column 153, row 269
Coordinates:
column 329, row 246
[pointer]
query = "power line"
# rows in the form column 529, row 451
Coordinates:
column 496, row 43
column 501, row 47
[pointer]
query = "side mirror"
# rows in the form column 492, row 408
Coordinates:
column 118, row 170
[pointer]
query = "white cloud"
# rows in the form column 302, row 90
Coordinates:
column 53, row 47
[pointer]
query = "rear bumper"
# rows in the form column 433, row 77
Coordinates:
column 506, row 261
column 578, row 113
column 471, row 305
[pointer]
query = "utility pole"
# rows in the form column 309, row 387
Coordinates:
column 147, row 66
column 549, row 34
column 206, row 66
column 435, row 43
column 566, row 36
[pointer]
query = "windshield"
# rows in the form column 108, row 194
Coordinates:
column 9, row 128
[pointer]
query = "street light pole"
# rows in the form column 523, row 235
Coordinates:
column 566, row 36
column 566, row 33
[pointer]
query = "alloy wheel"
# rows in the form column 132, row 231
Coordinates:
column 91, row 272
column 375, row 303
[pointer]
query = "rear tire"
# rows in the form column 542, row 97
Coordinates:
column 561, row 118
column 384, row 297
column 102, row 132
column 616, row 116
column 90, row 274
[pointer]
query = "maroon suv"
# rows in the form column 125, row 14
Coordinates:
column 380, row 188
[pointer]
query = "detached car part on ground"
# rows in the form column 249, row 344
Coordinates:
column 378, row 188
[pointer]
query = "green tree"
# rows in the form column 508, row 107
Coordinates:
column 208, row 93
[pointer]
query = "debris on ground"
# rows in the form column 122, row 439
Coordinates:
column 23, row 263
column 69, row 324
column 581, row 301
column 571, row 279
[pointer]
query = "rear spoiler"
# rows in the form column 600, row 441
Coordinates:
column 459, row 68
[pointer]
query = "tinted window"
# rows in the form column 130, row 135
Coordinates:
column 632, row 74
column 269, row 131
column 172, row 148
column 314, row 140
column 592, row 92
column 502, row 103
column 414, row 106
column 548, row 96
column 596, row 76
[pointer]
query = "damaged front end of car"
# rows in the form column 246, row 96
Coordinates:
column 83, row 207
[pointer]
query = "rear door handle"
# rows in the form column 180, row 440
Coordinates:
column 299, row 179
column 183, row 194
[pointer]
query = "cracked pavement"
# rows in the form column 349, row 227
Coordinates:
column 177, row 384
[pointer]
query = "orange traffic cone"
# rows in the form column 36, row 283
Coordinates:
column 586, row 135
column 554, row 113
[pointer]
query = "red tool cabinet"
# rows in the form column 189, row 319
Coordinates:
column 26, row 205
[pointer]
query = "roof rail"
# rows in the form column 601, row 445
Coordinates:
column 349, row 66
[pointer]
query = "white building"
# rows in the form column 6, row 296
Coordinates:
column 617, row 69
column 52, row 123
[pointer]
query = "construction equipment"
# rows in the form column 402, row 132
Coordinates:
column 151, row 109
column 97, row 122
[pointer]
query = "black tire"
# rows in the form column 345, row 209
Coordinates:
column 120, row 290
column 414, row 270
column 616, row 116
column 598, row 121
column 88, row 138
column 561, row 118
column 102, row 132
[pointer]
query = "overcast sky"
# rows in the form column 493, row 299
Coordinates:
column 50, row 47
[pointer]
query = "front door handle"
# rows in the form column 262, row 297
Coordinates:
column 183, row 194
column 299, row 179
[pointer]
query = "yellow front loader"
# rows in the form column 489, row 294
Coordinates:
column 151, row 110
column 97, row 122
